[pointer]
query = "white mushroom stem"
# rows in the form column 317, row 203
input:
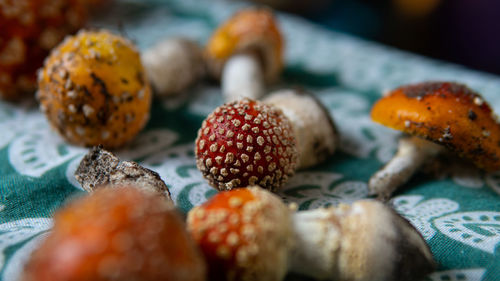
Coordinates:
column 242, row 77
column 173, row 65
column 314, row 129
column 365, row 241
column 412, row 153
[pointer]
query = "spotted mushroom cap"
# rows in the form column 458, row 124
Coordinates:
column 29, row 30
column 446, row 113
column 93, row 90
column 250, row 30
column 246, row 143
column 117, row 234
column 245, row 234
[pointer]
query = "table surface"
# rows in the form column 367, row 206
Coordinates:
column 458, row 213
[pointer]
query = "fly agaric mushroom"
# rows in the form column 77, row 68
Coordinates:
column 100, row 168
column 245, row 234
column 173, row 65
column 29, row 30
column 246, row 52
column 249, row 234
column 250, row 142
column 117, row 234
column 93, row 89
column 245, row 143
column 438, row 115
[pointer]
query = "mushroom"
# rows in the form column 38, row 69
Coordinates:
column 313, row 127
column 438, row 115
column 29, row 30
column 245, row 53
column 101, row 168
column 249, row 142
column 244, row 143
column 173, row 65
column 93, row 90
column 244, row 234
column 249, row 234
column 117, row 234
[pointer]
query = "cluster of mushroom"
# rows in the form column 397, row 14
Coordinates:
column 95, row 90
column 245, row 53
column 128, row 228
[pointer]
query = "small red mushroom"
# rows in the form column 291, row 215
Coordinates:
column 246, row 143
column 438, row 115
column 250, row 142
column 117, row 234
column 246, row 52
column 244, row 234
column 249, row 234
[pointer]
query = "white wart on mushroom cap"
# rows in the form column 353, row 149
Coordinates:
column 246, row 143
column 245, row 234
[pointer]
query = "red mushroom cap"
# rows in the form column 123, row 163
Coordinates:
column 117, row 234
column 446, row 113
column 246, row 143
column 245, row 234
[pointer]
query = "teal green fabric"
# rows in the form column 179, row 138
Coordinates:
column 458, row 212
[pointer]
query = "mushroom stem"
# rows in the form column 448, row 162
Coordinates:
column 314, row 129
column 316, row 242
column 412, row 153
column 242, row 77
column 365, row 241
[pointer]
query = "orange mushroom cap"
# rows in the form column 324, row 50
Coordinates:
column 250, row 30
column 446, row 113
column 94, row 91
column 119, row 233
column 244, row 234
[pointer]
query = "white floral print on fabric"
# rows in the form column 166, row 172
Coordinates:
column 472, row 274
column 15, row 232
column 320, row 189
column 421, row 213
column 36, row 151
column 15, row 266
column 177, row 167
column 480, row 230
column 359, row 135
column 493, row 181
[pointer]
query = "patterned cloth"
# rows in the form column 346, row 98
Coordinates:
column 458, row 213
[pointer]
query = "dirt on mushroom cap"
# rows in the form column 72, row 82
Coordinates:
column 447, row 113
column 94, row 91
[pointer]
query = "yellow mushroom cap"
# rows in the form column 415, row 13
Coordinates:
column 446, row 113
column 250, row 30
column 93, row 89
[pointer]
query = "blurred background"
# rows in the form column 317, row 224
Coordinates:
column 466, row 32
